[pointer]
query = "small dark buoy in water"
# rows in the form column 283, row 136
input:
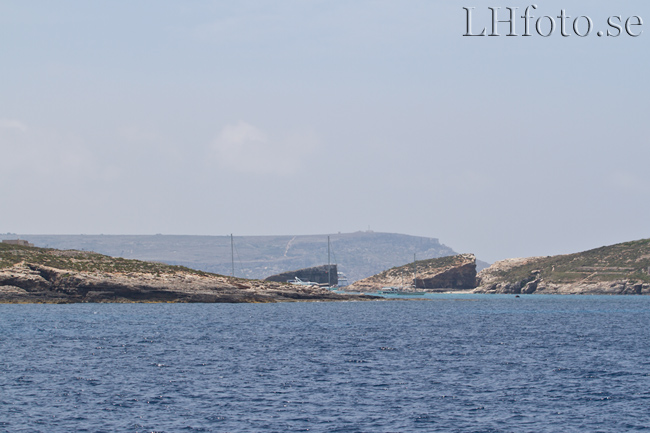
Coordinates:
column 516, row 296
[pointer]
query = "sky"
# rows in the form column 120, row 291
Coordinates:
column 313, row 117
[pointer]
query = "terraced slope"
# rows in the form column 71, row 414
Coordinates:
column 617, row 269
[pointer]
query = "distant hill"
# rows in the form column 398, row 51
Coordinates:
column 358, row 255
column 616, row 269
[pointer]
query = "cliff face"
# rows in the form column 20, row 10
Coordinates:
column 317, row 274
column 52, row 276
column 435, row 275
column 494, row 279
column 620, row 269
column 459, row 277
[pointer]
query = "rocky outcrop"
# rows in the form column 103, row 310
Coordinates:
column 536, row 284
column 453, row 273
column 458, row 277
column 317, row 274
column 491, row 279
column 35, row 283
column 621, row 269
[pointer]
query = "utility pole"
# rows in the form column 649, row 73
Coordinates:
column 232, row 254
column 415, row 273
column 329, row 266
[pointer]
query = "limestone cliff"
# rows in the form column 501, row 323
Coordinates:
column 614, row 270
column 434, row 275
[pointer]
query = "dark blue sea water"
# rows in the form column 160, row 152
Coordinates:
column 451, row 364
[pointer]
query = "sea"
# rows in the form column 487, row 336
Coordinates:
column 448, row 363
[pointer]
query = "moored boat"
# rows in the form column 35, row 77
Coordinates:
column 398, row 291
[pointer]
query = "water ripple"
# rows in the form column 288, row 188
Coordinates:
column 535, row 364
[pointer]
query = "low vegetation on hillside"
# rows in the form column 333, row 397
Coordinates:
column 421, row 266
column 628, row 260
column 83, row 261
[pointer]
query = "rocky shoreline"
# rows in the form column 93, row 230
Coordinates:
column 40, row 275
column 29, row 283
column 621, row 269
column 490, row 281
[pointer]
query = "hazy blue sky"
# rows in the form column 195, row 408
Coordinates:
column 305, row 117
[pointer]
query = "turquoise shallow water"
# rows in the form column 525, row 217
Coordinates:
column 465, row 363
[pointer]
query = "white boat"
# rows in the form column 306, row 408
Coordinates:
column 407, row 291
column 298, row 282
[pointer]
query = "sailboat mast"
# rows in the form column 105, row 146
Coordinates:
column 329, row 266
column 415, row 273
column 232, row 255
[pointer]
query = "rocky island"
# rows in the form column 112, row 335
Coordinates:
column 45, row 275
column 620, row 269
column 443, row 274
